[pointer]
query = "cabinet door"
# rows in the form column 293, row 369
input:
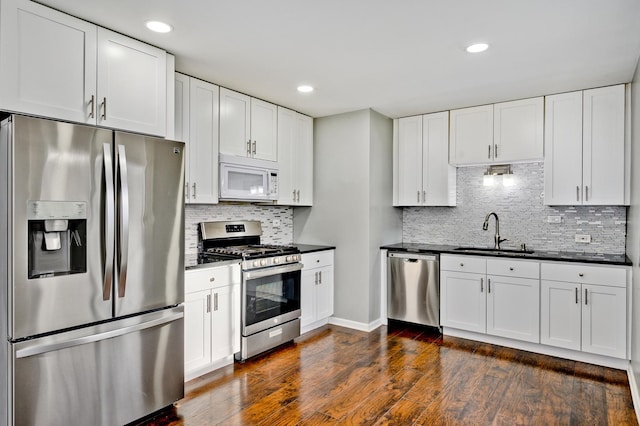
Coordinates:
column 132, row 84
column 471, row 132
column 324, row 293
column 203, row 142
column 47, row 62
column 287, row 122
column 603, row 146
column 604, row 320
column 197, row 331
column 303, row 160
column 463, row 301
column 235, row 123
column 560, row 313
column 513, row 308
column 518, row 131
column 223, row 322
column 563, row 149
column 438, row 177
column 181, row 118
column 409, row 162
column 264, row 130
column 308, row 284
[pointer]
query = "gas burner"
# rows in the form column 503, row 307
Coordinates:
column 253, row 251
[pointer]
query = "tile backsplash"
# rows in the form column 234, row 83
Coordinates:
column 194, row 214
column 523, row 217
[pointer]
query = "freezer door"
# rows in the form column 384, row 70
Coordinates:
column 150, row 216
column 56, row 164
column 111, row 374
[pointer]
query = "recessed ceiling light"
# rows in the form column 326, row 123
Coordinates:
column 477, row 48
column 159, row 27
column 305, row 89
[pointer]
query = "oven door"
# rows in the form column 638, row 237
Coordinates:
column 270, row 297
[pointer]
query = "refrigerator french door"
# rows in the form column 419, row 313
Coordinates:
column 92, row 272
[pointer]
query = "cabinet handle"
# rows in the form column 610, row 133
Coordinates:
column 93, row 104
column 104, row 108
column 254, row 147
column 424, row 196
column 489, row 152
column 481, row 285
column 418, row 196
column 215, row 302
column 194, row 190
column 298, row 197
column 577, row 193
column 488, row 285
column 586, row 296
column 577, row 296
column 586, row 192
column 208, row 303
column 248, row 148
column 495, row 150
column 294, row 195
column 186, row 190
column 315, row 278
column 320, row 277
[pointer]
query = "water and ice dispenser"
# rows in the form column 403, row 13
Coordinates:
column 57, row 238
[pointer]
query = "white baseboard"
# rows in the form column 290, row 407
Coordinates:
column 361, row 326
column 635, row 394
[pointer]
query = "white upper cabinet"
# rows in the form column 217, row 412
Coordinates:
column 585, row 148
column 295, row 158
column 501, row 133
column 518, row 130
column 57, row 66
column 422, row 172
column 131, row 84
column 196, row 118
column 471, row 133
column 47, row 62
column 248, row 126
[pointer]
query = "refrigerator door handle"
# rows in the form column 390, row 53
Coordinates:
column 109, row 216
column 40, row 349
column 123, row 219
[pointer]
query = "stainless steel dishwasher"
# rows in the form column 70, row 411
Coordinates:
column 414, row 288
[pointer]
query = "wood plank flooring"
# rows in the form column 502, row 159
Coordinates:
column 403, row 375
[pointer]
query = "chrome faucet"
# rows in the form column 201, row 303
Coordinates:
column 485, row 226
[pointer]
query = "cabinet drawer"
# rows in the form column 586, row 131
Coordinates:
column 317, row 259
column 463, row 264
column 588, row 274
column 208, row 278
column 513, row 268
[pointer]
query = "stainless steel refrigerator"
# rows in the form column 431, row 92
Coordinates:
column 91, row 274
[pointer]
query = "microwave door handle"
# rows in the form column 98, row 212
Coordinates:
column 109, row 219
column 124, row 219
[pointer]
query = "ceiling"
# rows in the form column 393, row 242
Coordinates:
column 398, row 57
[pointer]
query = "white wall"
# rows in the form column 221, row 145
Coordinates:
column 352, row 206
column 633, row 232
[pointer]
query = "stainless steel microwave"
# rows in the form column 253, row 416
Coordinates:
column 248, row 179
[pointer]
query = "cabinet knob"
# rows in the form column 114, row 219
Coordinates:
column 581, row 274
column 511, row 268
column 462, row 265
column 212, row 279
column 317, row 260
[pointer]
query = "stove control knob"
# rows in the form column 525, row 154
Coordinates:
column 256, row 263
column 276, row 260
column 288, row 259
column 263, row 262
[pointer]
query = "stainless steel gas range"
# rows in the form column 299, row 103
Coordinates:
column 270, row 288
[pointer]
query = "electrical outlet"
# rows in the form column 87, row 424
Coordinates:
column 580, row 238
column 276, row 223
column 554, row 219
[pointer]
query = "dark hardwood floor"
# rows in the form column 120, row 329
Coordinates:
column 403, row 375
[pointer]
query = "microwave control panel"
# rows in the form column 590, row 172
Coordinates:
column 273, row 183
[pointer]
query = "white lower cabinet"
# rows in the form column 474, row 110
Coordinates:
column 316, row 290
column 211, row 319
column 584, row 308
column 499, row 297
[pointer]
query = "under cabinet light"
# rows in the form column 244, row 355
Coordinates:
column 305, row 89
column 159, row 27
column 477, row 48
column 503, row 170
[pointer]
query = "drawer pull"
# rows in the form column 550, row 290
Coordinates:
column 511, row 268
column 586, row 295
column 481, row 285
column 212, row 279
column 577, row 296
column 462, row 265
column 581, row 274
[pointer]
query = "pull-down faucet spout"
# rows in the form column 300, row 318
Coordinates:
column 485, row 226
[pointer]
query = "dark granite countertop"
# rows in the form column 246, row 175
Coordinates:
column 564, row 256
column 310, row 248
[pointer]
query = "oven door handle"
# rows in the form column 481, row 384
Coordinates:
column 266, row 272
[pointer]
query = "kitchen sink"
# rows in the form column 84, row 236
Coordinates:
column 512, row 252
